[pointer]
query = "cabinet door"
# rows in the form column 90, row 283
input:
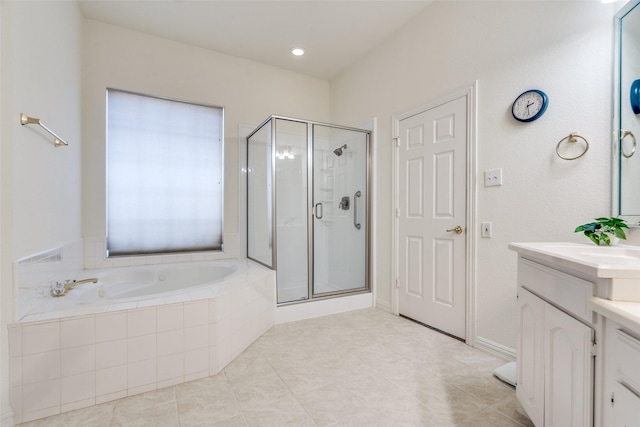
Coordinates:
column 626, row 409
column 530, row 371
column 568, row 371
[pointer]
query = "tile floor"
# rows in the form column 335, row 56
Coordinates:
column 362, row 368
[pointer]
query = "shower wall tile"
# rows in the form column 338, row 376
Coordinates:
column 111, row 381
column 77, row 331
column 15, row 399
column 40, row 337
column 15, row 371
column 171, row 342
column 213, row 310
column 111, row 353
column 196, row 361
column 40, row 367
column 78, row 360
column 170, row 367
column 141, row 322
column 78, row 404
column 170, row 317
column 77, row 388
column 40, row 413
column 110, row 397
column 214, row 366
column 141, row 348
column 196, row 313
column 141, row 374
column 15, row 341
column 111, row 326
column 41, row 398
column 196, row 337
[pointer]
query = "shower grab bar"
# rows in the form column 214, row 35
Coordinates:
column 356, row 224
column 318, row 209
column 26, row 120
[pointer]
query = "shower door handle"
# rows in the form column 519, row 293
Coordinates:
column 318, row 209
column 356, row 224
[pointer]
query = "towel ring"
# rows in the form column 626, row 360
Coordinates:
column 623, row 135
column 573, row 137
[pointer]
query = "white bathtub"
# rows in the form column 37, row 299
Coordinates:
column 130, row 287
column 137, row 329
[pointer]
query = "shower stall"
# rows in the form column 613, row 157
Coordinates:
column 308, row 207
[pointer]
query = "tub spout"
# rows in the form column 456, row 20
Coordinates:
column 61, row 289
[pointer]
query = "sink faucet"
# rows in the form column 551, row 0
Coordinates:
column 60, row 289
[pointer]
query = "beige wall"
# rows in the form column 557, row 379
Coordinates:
column 40, row 184
column 563, row 48
column 129, row 60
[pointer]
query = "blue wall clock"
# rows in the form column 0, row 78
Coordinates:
column 530, row 105
column 635, row 96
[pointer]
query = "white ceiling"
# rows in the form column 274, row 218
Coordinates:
column 334, row 33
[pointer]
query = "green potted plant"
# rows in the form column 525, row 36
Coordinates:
column 601, row 231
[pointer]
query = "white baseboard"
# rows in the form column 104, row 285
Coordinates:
column 383, row 305
column 495, row 348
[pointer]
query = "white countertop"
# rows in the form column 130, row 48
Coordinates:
column 621, row 261
column 624, row 313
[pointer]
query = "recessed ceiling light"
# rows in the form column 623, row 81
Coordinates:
column 297, row 51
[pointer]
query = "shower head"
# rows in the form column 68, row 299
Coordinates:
column 338, row 151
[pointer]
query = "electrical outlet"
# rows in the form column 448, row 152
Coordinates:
column 493, row 177
column 486, row 229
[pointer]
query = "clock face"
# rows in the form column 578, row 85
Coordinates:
column 530, row 105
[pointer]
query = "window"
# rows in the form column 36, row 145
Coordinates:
column 164, row 175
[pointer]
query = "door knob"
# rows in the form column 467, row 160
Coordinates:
column 458, row 229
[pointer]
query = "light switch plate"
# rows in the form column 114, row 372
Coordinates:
column 486, row 230
column 493, row 177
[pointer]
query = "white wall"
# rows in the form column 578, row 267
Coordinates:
column 563, row 48
column 40, row 184
column 123, row 59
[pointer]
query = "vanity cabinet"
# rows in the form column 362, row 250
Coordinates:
column 569, row 364
column 555, row 367
column 621, row 376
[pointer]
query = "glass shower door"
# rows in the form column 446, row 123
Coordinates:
column 291, row 164
column 340, row 221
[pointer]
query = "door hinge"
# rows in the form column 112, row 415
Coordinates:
column 613, row 399
column 594, row 349
column 396, row 140
column 398, row 283
column 397, row 212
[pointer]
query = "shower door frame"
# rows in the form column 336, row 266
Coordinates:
column 311, row 208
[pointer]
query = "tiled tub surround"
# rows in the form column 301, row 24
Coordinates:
column 61, row 364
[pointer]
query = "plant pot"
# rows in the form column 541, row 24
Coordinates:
column 613, row 241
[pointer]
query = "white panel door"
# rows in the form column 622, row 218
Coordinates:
column 432, row 204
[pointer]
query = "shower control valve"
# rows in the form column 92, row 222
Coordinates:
column 344, row 203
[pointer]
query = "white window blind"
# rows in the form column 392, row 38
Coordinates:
column 164, row 175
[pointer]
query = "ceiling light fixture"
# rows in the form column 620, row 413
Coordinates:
column 297, row 51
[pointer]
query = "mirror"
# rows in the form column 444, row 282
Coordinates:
column 626, row 124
